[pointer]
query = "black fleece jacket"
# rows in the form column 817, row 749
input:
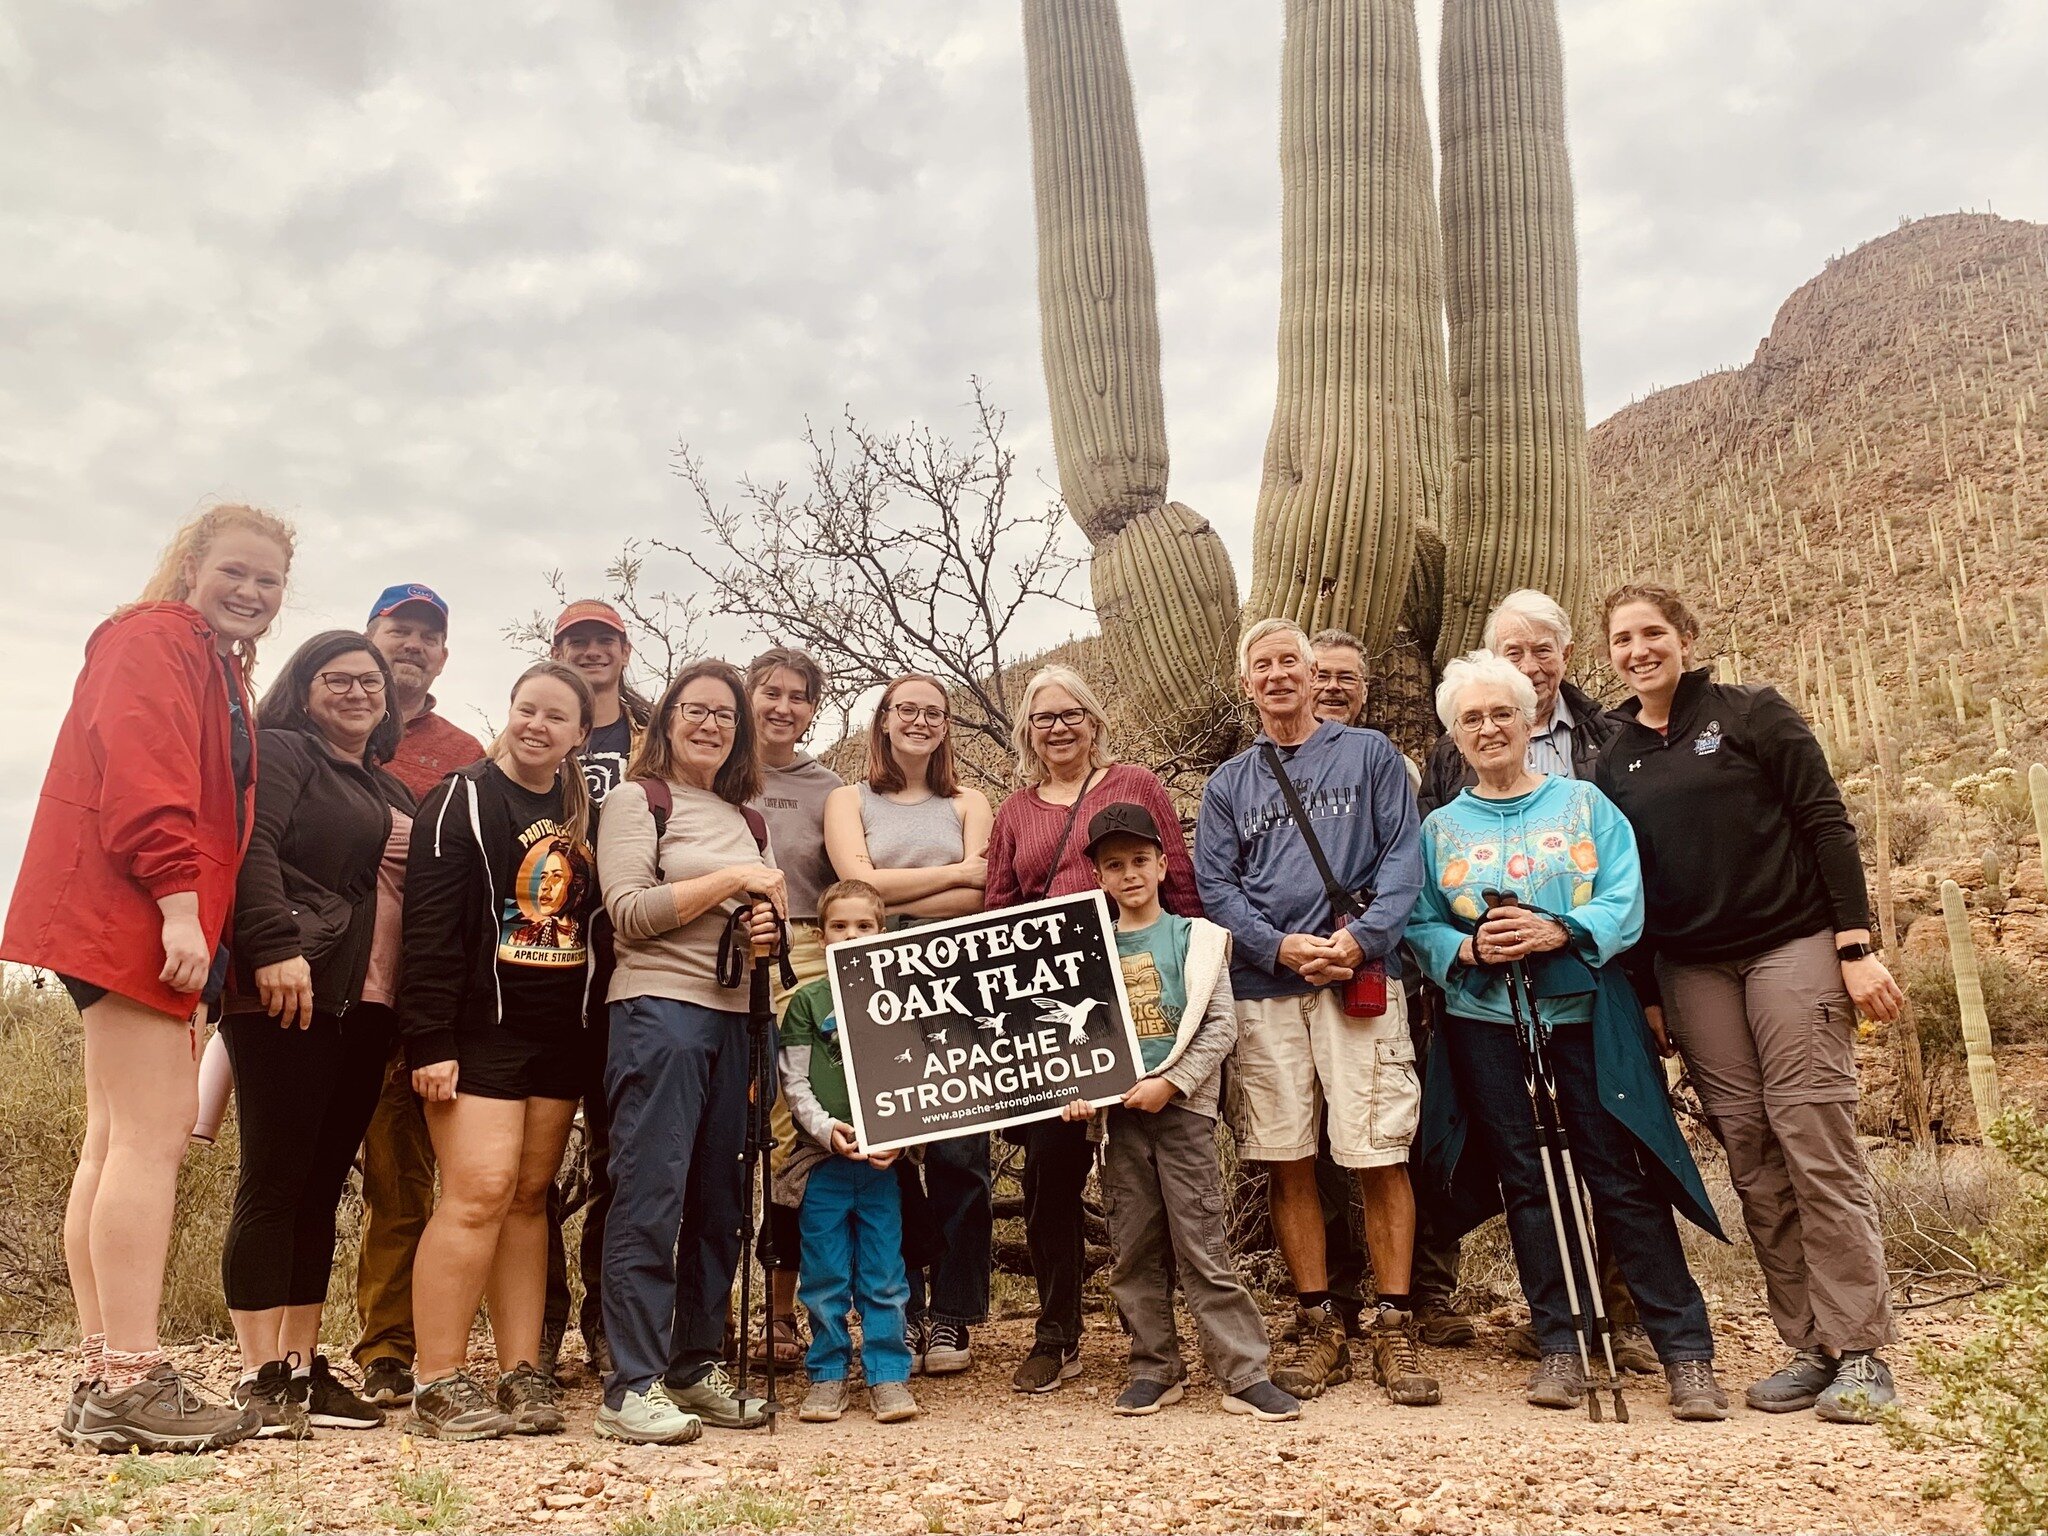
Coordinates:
column 1448, row 772
column 308, row 884
column 1744, row 839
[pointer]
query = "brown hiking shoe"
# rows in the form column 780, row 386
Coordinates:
column 526, row 1395
column 1440, row 1327
column 1634, row 1352
column 457, row 1408
column 161, row 1412
column 1319, row 1358
column 1396, row 1365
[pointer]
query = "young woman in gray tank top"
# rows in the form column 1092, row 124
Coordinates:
column 914, row 833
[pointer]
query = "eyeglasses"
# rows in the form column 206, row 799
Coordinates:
column 339, row 683
column 697, row 714
column 1329, row 679
column 912, row 714
column 1502, row 718
column 1046, row 719
column 1542, row 651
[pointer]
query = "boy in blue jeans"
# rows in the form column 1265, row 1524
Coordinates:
column 851, row 1215
column 1159, row 1171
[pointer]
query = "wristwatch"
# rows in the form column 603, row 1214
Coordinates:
column 1847, row 952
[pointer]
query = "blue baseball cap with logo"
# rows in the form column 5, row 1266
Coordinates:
column 391, row 599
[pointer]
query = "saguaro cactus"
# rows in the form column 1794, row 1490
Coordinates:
column 1517, row 507
column 2037, row 791
column 1162, row 582
column 1962, row 954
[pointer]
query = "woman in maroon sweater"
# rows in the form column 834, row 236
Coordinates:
column 1035, row 851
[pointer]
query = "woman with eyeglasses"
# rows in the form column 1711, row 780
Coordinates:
column 676, row 877
column 308, row 1024
column 1035, row 850
column 917, row 835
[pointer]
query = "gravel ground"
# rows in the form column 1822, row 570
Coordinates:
column 985, row 1459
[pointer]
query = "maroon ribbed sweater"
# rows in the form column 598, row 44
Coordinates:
column 1026, row 830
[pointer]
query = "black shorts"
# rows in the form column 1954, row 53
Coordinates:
column 511, row 1064
column 83, row 993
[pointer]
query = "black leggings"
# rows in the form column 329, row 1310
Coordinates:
column 303, row 1098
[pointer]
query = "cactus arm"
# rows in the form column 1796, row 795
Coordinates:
column 1976, row 1024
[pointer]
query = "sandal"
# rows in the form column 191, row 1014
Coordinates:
column 787, row 1343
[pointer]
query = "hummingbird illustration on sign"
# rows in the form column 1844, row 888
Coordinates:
column 1073, row 1015
column 904, row 1057
column 994, row 1021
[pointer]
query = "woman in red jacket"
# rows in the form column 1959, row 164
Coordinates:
column 124, row 891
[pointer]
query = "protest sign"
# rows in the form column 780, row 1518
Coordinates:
column 981, row 1022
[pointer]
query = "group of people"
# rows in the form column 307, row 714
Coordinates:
column 435, row 953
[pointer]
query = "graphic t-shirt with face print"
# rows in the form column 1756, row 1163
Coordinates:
column 550, row 881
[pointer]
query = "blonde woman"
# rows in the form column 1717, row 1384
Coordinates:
column 143, row 819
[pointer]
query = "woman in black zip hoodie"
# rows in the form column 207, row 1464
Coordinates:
column 306, row 1049
column 1757, row 945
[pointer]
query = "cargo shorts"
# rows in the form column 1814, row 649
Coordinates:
column 1295, row 1055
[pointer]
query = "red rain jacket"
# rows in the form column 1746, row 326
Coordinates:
column 139, row 803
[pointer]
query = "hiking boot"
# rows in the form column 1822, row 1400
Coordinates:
column 457, row 1408
column 1695, row 1395
column 917, row 1338
column 1045, row 1368
column 1634, row 1352
column 711, row 1398
column 1522, row 1343
column 1795, row 1385
column 387, row 1382
column 1390, row 1340
column 1861, row 1391
column 1438, row 1326
column 600, row 1355
column 1559, row 1381
column 527, row 1396
column 551, row 1349
column 269, row 1392
column 67, row 1426
column 891, row 1403
column 1264, row 1402
column 331, row 1405
column 648, row 1418
column 947, row 1353
column 824, row 1403
column 161, row 1412
column 1319, row 1358
column 1143, row 1397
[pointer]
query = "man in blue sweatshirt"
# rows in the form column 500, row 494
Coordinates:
column 1298, row 1047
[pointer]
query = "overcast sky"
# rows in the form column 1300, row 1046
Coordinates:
column 446, row 283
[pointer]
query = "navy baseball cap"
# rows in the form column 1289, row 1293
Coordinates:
column 1124, row 819
column 391, row 599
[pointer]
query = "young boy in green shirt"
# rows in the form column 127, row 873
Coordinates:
column 1160, row 1171
column 851, row 1214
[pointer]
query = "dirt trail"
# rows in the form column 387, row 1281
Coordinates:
column 984, row 1459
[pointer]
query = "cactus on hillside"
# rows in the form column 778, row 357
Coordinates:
column 2037, row 792
column 1517, row 509
column 1976, row 1024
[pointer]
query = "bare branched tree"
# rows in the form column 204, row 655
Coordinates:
column 666, row 629
column 904, row 554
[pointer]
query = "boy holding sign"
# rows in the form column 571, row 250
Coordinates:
column 851, row 1213
column 1160, row 1172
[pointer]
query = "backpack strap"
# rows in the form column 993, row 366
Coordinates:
column 756, row 824
column 660, row 801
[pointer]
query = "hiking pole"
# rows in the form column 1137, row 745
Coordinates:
column 734, row 948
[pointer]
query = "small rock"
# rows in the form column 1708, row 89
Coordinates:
column 1410, row 1517
column 1014, row 1510
column 565, row 1501
column 1288, row 1519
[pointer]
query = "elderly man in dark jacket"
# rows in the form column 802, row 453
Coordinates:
column 1530, row 630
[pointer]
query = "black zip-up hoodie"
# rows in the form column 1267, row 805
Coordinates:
column 1744, row 839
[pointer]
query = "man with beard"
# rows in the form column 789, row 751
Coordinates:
column 409, row 627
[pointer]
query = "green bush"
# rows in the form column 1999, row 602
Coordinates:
column 2015, row 1003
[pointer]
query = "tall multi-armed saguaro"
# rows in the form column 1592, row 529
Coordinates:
column 1162, row 582
column 1517, row 513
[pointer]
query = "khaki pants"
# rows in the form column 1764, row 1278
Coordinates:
column 398, row 1197
column 1770, row 1044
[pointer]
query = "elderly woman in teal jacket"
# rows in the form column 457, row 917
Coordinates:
column 1569, row 857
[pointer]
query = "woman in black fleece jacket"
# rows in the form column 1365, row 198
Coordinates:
column 1756, row 954
column 308, row 1054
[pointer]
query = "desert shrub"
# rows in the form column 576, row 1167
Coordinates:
column 2015, row 1004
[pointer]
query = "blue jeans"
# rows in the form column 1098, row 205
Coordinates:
column 676, row 1081
column 959, row 1188
column 1632, row 1220
column 852, row 1224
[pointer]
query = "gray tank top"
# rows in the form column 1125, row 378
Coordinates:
column 922, row 835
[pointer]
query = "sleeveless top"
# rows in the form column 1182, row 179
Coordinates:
column 918, row 836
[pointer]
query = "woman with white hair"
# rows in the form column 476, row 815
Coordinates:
column 1569, row 859
column 1035, row 850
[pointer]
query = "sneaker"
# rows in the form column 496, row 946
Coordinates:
column 1319, row 1358
column 1695, row 1395
column 1795, row 1385
column 458, row 1408
column 1559, row 1381
column 891, row 1403
column 917, row 1337
column 1045, row 1368
column 527, row 1395
column 161, row 1412
column 331, row 1405
column 1143, row 1397
column 648, row 1418
column 551, row 1338
column 269, row 1392
column 1264, row 1402
column 947, row 1353
column 1390, row 1341
column 67, row 1426
column 711, row 1398
column 824, row 1403
column 387, row 1382
column 1634, row 1352
column 1861, row 1391
column 1441, row 1328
